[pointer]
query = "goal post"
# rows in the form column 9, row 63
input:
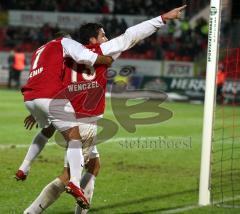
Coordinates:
column 209, row 103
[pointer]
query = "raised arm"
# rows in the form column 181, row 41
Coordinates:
column 82, row 55
column 138, row 32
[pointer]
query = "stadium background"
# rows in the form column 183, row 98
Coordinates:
column 134, row 178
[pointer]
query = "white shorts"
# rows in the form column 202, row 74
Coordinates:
column 88, row 133
column 52, row 111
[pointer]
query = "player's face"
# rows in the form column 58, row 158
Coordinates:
column 101, row 36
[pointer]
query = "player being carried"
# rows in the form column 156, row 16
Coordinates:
column 91, row 34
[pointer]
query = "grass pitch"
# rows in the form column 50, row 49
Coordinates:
column 133, row 178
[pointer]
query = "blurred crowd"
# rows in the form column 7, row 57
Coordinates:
column 136, row 7
column 177, row 42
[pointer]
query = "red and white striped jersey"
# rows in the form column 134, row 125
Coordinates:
column 47, row 63
column 47, row 67
column 85, row 86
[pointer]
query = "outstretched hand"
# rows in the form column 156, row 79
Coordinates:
column 29, row 122
column 173, row 14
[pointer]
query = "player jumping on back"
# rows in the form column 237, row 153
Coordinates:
column 44, row 82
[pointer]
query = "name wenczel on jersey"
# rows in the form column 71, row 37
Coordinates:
column 85, row 86
column 76, row 87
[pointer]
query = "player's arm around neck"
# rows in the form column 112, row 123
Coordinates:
column 78, row 52
column 106, row 60
column 139, row 32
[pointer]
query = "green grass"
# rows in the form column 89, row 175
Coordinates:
column 132, row 180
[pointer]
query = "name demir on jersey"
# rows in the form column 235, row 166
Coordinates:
column 36, row 72
column 82, row 86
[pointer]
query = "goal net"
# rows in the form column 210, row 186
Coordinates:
column 220, row 163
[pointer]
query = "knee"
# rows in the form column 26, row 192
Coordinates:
column 72, row 134
column 65, row 176
column 96, row 168
column 93, row 166
column 48, row 132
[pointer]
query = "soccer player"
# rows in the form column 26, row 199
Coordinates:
column 94, row 35
column 45, row 81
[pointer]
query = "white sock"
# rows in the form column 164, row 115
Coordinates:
column 75, row 160
column 48, row 196
column 35, row 148
column 87, row 184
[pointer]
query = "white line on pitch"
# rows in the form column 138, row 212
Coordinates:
column 192, row 207
column 179, row 210
column 19, row 146
column 52, row 143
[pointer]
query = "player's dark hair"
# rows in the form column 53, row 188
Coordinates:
column 62, row 34
column 87, row 31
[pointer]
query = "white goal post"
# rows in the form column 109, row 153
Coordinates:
column 209, row 103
